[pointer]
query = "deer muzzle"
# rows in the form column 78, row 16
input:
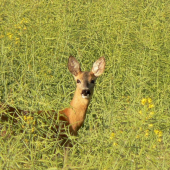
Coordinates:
column 85, row 94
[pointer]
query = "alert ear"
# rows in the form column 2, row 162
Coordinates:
column 98, row 67
column 73, row 66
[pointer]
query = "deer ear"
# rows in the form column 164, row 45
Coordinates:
column 73, row 66
column 98, row 67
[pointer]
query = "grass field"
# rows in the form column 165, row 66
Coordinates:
column 128, row 121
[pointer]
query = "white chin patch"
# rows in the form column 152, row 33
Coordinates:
column 85, row 97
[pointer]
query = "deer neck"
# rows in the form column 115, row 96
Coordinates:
column 77, row 112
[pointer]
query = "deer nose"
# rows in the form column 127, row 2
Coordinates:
column 85, row 92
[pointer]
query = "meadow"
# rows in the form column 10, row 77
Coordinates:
column 128, row 121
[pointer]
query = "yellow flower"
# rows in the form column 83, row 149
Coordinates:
column 150, row 116
column 33, row 122
column 154, row 146
column 159, row 140
column 160, row 133
column 33, row 129
column 25, row 118
column 151, row 106
column 10, row 35
column 156, row 132
column 149, row 100
column 24, row 20
column 143, row 101
column 151, row 113
column 112, row 135
column 150, row 125
column 140, row 112
column 137, row 137
column 115, row 144
column 29, row 118
column 147, row 133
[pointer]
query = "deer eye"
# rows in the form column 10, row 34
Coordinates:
column 78, row 81
column 93, row 81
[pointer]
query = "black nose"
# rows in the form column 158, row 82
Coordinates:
column 85, row 92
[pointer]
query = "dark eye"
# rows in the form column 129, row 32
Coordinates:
column 78, row 81
column 92, row 81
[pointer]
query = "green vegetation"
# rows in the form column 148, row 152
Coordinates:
column 128, row 121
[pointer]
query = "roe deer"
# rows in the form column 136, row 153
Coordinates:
column 74, row 116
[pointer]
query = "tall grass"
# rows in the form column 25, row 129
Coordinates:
column 128, row 121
